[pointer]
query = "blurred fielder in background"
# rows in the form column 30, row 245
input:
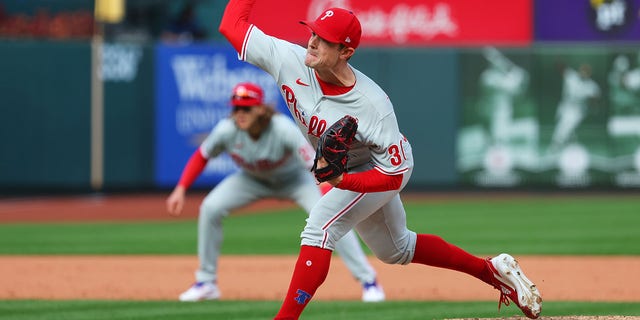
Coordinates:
column 274, row 160
column 320, row 87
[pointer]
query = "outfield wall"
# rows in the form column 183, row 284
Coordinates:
column 477, row 118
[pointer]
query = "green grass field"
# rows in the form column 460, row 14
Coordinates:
column 587, row 225
column 318, row 310
column 572, row 225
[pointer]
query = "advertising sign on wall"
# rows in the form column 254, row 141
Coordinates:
column 409, row 22
column 568, row 118
column 586, row 20
column 193, row 86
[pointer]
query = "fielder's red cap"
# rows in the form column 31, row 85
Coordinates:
column 337, row 25
column 246, row 94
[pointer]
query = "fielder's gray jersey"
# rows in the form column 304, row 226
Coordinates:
column 279, row 154
column 378, row 140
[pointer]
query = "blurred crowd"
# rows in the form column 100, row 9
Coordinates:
column 172, row 21
column 45, row 24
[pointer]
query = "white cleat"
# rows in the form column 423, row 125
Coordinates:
column 514, row 285
column 201, row 291
column 372, row 293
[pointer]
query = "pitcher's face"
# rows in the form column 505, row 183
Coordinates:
column 321, row 54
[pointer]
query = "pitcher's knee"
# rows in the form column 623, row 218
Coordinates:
column 396, row 257
column 398, row 252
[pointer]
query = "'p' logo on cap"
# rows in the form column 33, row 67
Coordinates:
column 337, row 25
column 327, row 14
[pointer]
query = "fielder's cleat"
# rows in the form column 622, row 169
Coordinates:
column 514, row 285
column 201, row 291
column 372, row 292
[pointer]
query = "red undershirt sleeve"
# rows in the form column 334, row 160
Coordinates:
column 370, row 181
column 235, row 22
column 192, row 169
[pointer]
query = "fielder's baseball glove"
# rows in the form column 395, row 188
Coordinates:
column 334, row 145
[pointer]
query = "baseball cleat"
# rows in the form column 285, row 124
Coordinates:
column 201, row 291
column 372, row 292
column 513, row 285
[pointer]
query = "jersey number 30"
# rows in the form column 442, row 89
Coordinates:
column 397, row 154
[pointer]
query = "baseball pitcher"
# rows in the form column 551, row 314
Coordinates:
column 341, row 110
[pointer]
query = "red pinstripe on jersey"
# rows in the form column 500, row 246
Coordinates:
column 243, row 52
column 391, row 172
column 338, row 215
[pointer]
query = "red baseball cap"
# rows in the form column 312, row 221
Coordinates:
column 337, row 25
column 246, row 94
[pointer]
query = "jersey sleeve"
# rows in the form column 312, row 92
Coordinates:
column 235, row 22
column 194, row 167
column 370, row 181
column 253, row 45
column 389, row 147
column 273, row 55
column 214, row 144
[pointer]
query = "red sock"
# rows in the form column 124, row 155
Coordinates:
column 310, row 271
column 434, row 251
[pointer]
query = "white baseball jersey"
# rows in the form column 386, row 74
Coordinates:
column 280, row 152
column 379, row 217
column 378, row 141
